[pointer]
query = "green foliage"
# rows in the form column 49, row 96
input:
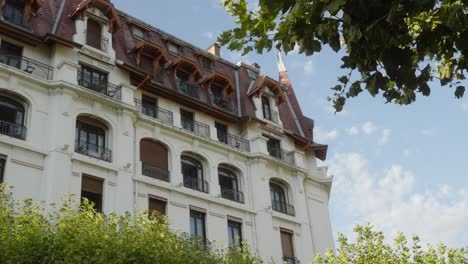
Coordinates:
column 398, row 47
column 370, row 248
column 78, row 234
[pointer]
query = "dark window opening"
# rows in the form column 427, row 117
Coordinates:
column 192, row 171
column 287, row 247
column 279, row 200
column 235, row 233
column 266, row 108
column 274, row 147
column 147, row 64
column 149, row 106
column 187, row 119
column 94, row 34
column 157, row 206
column 154, row 159
column 91, row 189
column 222, row 132
column 206, row 63
column 197, row 225
column 2, row 168
column 229, row 183
column 10, row 54
column 13, row 11
column 12, row 115
column 91, row 138
column 93, row 79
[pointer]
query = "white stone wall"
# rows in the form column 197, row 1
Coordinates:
column 45, row 167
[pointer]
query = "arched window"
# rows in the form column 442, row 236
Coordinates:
column 266, row 107
column 154, row 159
column 12, row 115
column 90, row 138
column 192, row 170
column 94, row 34
column 229, row 183
column 279, row 199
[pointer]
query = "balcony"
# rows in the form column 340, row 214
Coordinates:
column 236, row 142
column 28, row 65
column 98, row 85
column 155, row 172
column 187, row 88
column 94, row 151
column 232, row 195
column 13, row 130
column 196, row 127
column 283, row 207
column 97, row 41
column 283, row 155
column 291, row 260
column 155, row 112
column 196, row 184
column 222, row 103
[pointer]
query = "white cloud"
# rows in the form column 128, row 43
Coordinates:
column 427, row 132
column 368, row 128
column 384, row 136
column 388, row 199
column 406, row 153
column 209, row 35
column 325, row 136
column 353, row 131
column 464, row 107
column 309, row 67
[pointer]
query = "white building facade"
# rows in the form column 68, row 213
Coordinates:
column 96, row 103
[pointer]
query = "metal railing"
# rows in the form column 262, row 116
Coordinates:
column 98, row 42
column 92, row 150
column 97, row 85
column 13, row 130
column 187, row 88
column 196, row 127
column 159, row 113
column 235, row 141
column 196, row 184
column 28, row 65
column 291, row 260
column 222, row 103
column 232, row 195
column 283, row 155
column 155, row 172
column 272, row 115
column 283, row 207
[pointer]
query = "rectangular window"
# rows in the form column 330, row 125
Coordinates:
column 187, row 120
column 91, row 189
column 93, row 79
column 138, row 32
column 274, row 147
column 2, row 168
column 206, row 63
column 156, row 205
column 235, row 233
column 13, row 11
column 222, row 132
column 147, row 64
column 10, row 54
column 94, row 34
column 173, row 48
column 266, row 108
column 149, row 106
column 287, row 246
column 197, row 225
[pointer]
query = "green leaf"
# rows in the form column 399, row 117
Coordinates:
column 459, row 92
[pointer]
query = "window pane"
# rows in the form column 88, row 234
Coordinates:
column 2, row 169
column 234, row 233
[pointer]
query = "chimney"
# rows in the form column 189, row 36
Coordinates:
column 256, row 66
column 214, row 49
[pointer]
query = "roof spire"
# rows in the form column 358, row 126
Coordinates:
column 283, row 73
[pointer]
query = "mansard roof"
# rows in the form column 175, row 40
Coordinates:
column 54, row 21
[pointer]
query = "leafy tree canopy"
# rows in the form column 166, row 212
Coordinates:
column 394, row 47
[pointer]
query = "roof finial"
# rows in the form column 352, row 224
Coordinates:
column 281, row 66
column 283, row 73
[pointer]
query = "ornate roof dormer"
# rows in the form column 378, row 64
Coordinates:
column 105, row 6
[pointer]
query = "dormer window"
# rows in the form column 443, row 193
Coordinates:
column 138, row 32
column 220, row 88
column 206, row 63
column 149, row 57
column 13, row 11
column 266, row 107
column 173, row 48
column 94, row 36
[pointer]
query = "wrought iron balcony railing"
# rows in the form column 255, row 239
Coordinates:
column 92, row 150
column 283, row 155
column 291, row 260
column 232, row 195
column 235, row 141
column 196, row 127
column 155, row 172
column 161, row 114
column 96, row 41
column 187, row 88
column 283, row 207
column 28, row 65
column 223, row 103
column 13, row 130
column 98, row 85
column 196, row 184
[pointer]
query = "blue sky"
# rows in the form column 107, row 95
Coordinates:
column 402, row 168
